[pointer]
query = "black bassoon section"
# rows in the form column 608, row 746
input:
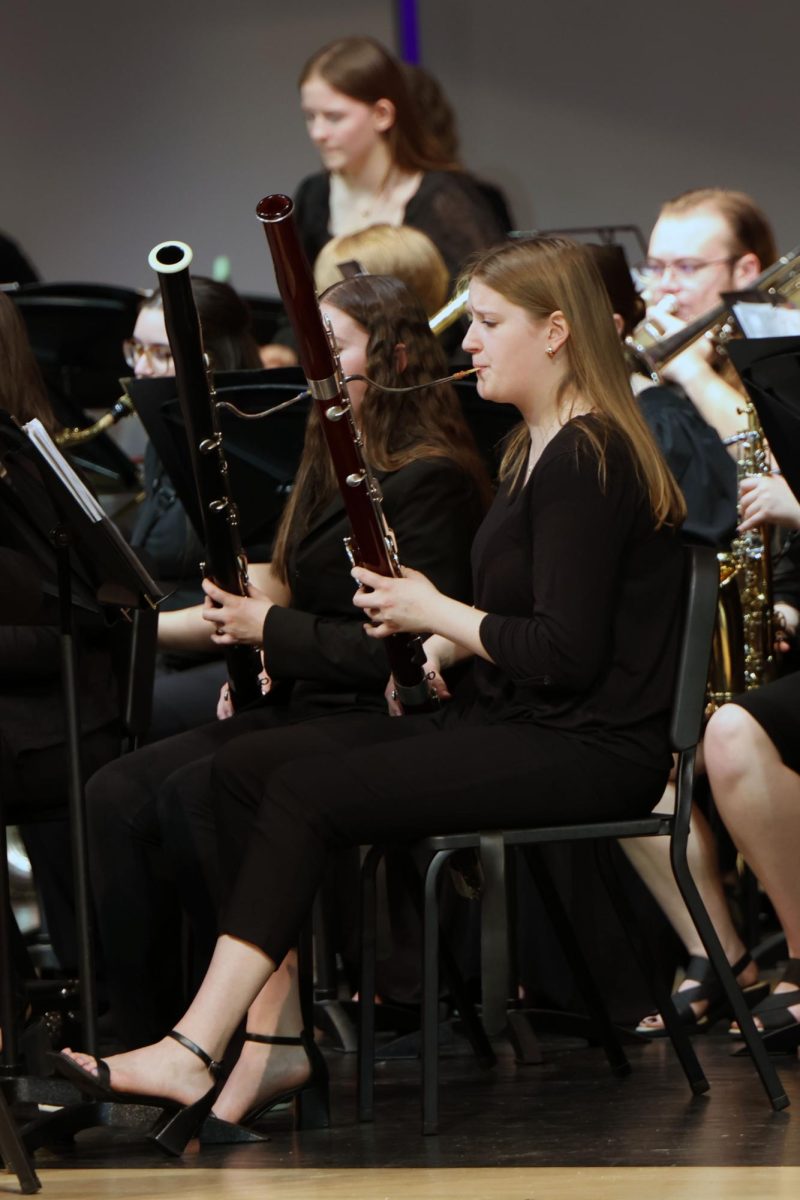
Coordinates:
column 371, row 544
column 225, row 562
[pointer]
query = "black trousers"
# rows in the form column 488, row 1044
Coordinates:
column 149, row 859
column 154, row 858
column 285, row 801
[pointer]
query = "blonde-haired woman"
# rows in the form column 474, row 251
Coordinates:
column 405, row 253
column 577, row 578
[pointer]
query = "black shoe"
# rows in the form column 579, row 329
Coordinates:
column 779, row 1035
column 177, row 1124
column 708, row 988
column 310, row 1099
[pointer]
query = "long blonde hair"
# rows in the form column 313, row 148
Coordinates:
column 543, row 275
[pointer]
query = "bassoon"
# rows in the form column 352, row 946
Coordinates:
column 371, row 543
column 225, row 562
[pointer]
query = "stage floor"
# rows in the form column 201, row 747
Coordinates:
column 567, row 1129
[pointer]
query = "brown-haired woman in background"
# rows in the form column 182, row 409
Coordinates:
column 577, row 579
column 382, row 165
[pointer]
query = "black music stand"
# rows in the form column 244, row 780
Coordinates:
column 85, row 564
column 769, row 368
column 76, row 331
column 262, row 455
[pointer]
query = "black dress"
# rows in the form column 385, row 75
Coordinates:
column 776, row 707
column 569, row 721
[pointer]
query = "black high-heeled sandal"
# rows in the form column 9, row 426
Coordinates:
column 310, row 1099
column 177, row 1124
column 780, row 1036
column 708, row 988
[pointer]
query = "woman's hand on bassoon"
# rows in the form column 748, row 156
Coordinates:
column 237, row 620
column 396, row 605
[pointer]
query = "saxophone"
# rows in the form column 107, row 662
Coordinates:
column 743, row 655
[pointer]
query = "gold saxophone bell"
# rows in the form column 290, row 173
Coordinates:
column 77, row 437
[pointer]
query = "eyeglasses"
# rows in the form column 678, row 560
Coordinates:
column 159, row 357
column 682, row 268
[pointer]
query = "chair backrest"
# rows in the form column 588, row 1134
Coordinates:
column 701, row 587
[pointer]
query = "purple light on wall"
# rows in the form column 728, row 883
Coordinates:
column 407, row 30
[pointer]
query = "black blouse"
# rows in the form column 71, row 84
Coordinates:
column 448, row 206
column 582, row 597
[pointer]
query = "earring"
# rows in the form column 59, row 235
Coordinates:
column 549, row 351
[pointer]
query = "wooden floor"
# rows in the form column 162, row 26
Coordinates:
column 486, row 1183
column 567, row 1129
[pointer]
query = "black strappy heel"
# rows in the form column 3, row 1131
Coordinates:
column 708, row 988
column 310, row 1099
column 177, row 1124
column 781, row 1031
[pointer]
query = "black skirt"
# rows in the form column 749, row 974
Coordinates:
column 776, row 707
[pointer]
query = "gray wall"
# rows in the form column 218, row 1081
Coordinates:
column 124, row 124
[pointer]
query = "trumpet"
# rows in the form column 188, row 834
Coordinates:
column 68, row 438
column 780, row 282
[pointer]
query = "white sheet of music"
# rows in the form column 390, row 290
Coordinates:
column 766, row 320
column 69, row 477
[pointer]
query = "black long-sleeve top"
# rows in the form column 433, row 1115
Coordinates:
column 434, row 510
column 582, row 596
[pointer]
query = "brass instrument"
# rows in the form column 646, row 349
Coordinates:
column 76, row 437
column 781, row 281
column 449, row 313
column 743, row 655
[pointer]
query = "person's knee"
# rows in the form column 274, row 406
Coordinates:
column 728, row 745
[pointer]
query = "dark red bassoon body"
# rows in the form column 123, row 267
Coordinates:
column 371, row 544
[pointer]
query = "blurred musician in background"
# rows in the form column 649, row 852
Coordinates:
column 382, row 165
column 705, row 242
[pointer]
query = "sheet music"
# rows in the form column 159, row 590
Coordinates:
column 110, row 536
column 55, row 459
column 766, row 320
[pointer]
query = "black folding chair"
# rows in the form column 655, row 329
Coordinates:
column 432, row 854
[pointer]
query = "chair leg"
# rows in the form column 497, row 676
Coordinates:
column 675, row 1028
column 366, row 986
column 574, row 955
column 708, row 935
column 430, row 994
column 472, row 1025
column 13, row 1152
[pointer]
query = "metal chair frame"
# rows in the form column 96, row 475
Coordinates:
column 432, row 853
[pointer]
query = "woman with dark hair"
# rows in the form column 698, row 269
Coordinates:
column 155, row 805
column 577, row 579
column 22, row 391
column 33, row 731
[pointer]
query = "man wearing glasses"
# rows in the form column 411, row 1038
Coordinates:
column 705, row 242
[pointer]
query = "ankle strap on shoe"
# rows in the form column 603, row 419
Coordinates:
column 214, row 1067
column 791, row 972
column 269, row 1039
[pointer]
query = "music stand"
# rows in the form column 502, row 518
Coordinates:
column 76, row 331
column 769, row 368
column 262, row 455
column 85, row 564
